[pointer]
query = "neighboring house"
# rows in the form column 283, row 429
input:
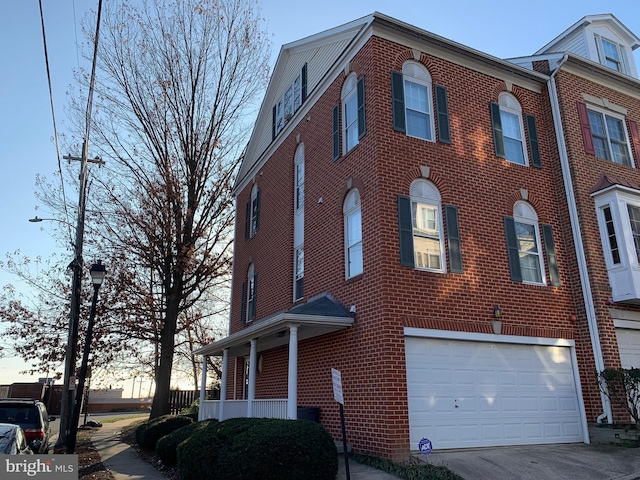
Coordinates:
column 402, row 203
column 595, row 100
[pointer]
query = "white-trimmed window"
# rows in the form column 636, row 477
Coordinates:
column 350, row 113
column 426, row 218
column 418, row 101
column 298, row 225
column 618, row 212
column 249, row 289
column 528, row 239
column 609, row 136
column 612, row 54
column 290, row 102
column 512, row 129
column 423, row 243
column 353, row 234
column 252, row 213
column 524, row 247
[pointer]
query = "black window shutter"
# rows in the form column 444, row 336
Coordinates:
column 405, row 229
column 442, row 108
column 257, row 211
column 397, row 95
column 243, row 303
column 512, row 248
column 453, row 239
column 362, row 123
column 273, row 126
column 552, row 259
column 304, row 82
column 247, row 221
column 336, row 132
column 496, row 125
column 534, row 145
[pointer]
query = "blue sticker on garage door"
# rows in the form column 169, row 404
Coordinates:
column 425, row 446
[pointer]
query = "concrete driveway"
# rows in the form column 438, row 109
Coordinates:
column 541, row 462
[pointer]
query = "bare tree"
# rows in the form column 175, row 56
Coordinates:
column 176, row 87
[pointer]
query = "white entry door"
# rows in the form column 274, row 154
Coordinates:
column 475, row 394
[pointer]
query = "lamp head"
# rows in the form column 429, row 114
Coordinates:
column 97, row 272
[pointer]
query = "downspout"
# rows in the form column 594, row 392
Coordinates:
column 577, row 239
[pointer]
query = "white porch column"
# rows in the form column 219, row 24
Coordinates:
column 253, row 360
column 292, row 387
column 223, row 383
column 203, row 387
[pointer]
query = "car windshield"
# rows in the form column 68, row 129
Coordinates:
column 6, row 441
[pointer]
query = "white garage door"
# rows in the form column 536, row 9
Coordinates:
column 476, row 394
column 629, row 347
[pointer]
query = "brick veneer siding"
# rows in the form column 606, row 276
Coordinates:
column 389, row 296
column 586, row 170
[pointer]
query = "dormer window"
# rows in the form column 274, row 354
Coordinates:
column 612, row 54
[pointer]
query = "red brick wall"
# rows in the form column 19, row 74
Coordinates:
column 388, row 296
column 586, row 170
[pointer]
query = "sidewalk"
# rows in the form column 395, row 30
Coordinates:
column 123, row 461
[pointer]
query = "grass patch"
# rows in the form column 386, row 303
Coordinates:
column 412, row 470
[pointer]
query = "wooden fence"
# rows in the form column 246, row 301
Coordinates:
column 181, row 399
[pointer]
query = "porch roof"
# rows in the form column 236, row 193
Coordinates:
column 319, row 316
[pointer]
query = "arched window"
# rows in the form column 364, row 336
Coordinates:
column 418, row 101
column 350, row 113
column 527, row 238
column 353, row 234
column 298, row 225
column 426, row 218
column 512, row 129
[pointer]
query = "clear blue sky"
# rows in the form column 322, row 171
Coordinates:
column 502, row 28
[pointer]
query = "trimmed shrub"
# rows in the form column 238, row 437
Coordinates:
column 155, row 430
column 144, row 426
column 259, row 448
column 167, row 446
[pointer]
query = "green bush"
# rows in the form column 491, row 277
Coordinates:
column 192, row 410
column 144, row 426
column 158, row 428
column 259, row 449
column 167, row 446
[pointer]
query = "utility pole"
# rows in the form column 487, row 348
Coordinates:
column 77, row 263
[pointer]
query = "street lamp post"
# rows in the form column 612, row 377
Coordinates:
column 97, row 276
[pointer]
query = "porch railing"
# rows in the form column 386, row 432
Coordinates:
column 271, row 408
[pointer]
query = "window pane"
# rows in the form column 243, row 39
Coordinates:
column 300, row 263
column 354, row 228
column 415, row 97
column 512, row 137
column 427, row 252
column 530, row 268
column 417, row 111
column 634, row 218
column 612, row 57
column 611, row 233
column 300, row 185
column 355, row 260
column 529, row 254
column 424, row 219
column 351, row 121
column 513, row 150
column 597, row 124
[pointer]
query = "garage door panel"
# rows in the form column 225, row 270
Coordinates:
column 515, row 395
column 629, row 347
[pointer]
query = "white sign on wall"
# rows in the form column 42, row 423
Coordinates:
column 337, row 386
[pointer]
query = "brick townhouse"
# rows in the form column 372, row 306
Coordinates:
column 430, row 221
